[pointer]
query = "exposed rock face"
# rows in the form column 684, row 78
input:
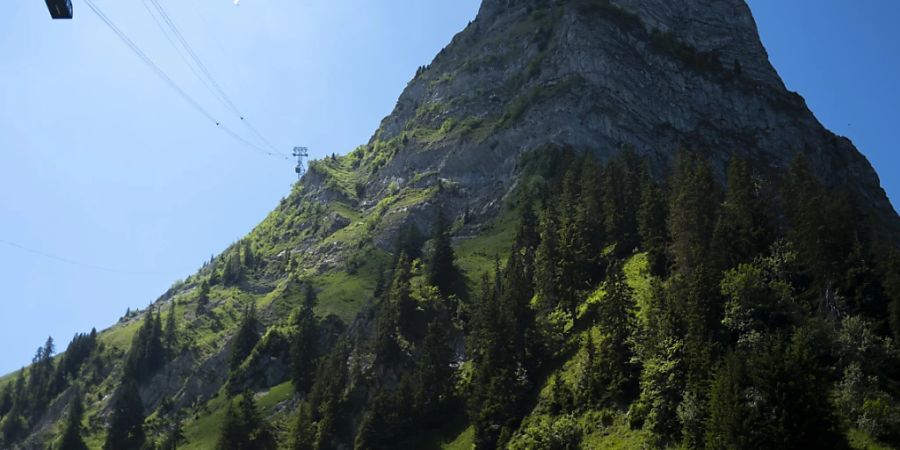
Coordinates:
column 596, row 75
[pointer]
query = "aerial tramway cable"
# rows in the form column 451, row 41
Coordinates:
column 168, row 80
column 209, row 80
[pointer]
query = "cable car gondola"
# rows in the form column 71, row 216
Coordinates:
column 60, row 9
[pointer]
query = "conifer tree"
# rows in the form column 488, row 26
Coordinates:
column 246, row 337
column 433, row 377
column 147, row 352
column 170, row 334
column 615, row 319
column 743, row 229
column 244, row 428
column 126, row 423
column 546, row 265
column 174, row 436
column 651, row 218
column 71, row 437
column 441, row 271
column 892, row 287
column 233, row 271
column 304, row 348
column 820, row 225
column 395, row 314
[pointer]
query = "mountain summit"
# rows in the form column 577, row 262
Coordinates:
column 586, row 224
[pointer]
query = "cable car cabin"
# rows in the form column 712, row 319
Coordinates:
column 60, row 9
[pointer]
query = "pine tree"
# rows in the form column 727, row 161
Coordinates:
column 395, row 314
column 170, row 334
column 304, row 432
column 441, row 271
column 651, row 220
column 244, row 428
column 433, row 377
column 233, row 271
column 546, row 265
column 249, row 257
column 693, row 209
column 820, row 226
column 892, row 287
column 304, row 348
column 615, row 319
column 147, row 353
column 621, row 200
column 127, row 419
column 174, row 436
column 203, row 295
column 743, row 229
column 726, row 428
column 246, row 337
column 71, row 437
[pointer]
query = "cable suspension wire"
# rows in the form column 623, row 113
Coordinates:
column 165, row 77
column 168, row 34
column 71, row 262
column 223, row 96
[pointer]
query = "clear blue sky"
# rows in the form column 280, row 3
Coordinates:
column 103, row 164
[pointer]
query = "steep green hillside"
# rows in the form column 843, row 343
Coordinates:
column 581, row 227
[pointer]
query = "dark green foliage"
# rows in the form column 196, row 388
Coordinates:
column 244, row 428
column 744, row 226
column 126, row 423
column 693, row 208
column 6, row 399
column 203, row 295
column 433, row 377
column 304, row 345
column 147, row 353
column 395, row 314
column 622, row 179
column 174, row 437
column 170, row 333
column 498, row 343
column 386, row 419
column 71, row 437
column 249, row 259
column 304, row 432
column 617, row 373
column 820, row 225
column 233, row 272
column 246, row 337
column 771, row 397
column 441, row 271
column 77, row 352
column 651, row 220
column 892, row 288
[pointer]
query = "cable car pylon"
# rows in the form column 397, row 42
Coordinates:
column 302, row 154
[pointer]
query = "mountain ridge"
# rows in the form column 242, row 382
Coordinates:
column 526, row 79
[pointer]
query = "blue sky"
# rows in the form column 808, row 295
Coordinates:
column 106, row 166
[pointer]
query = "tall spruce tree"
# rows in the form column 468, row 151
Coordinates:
column 651, row 218
column 246, row 337
column 244, row 428
column 147, row 353
column 71, row 436
column 441, row 271
column 304, row 346
column 744, row 226
column 126, row 423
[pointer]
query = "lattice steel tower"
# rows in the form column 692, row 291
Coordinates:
column 301, row 153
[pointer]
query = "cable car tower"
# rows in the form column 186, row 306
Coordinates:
column 302, row 154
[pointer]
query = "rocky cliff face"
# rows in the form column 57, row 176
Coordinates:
column 525, row 75
column 597, row 75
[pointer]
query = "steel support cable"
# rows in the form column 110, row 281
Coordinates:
column 180, row 52
column 71, row 262
column 212, row 80
column 168, row 80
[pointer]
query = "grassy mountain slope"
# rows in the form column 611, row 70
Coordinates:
column 494, row 127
